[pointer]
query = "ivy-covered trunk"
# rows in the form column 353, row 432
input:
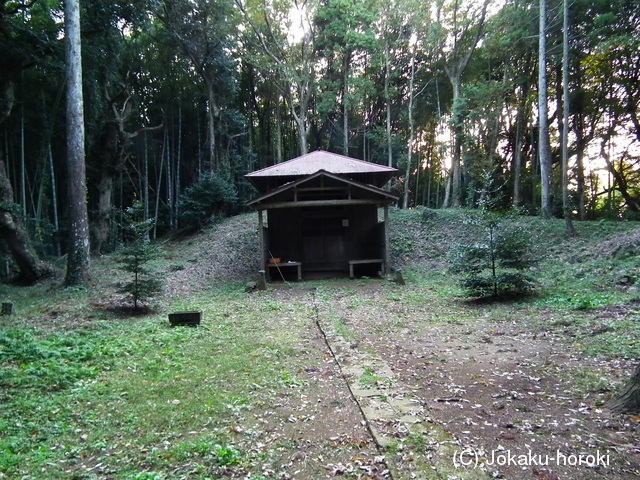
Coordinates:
column 30, row 267
column 103, row 217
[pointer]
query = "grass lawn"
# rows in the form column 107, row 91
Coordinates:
column 124, row 397
column 254, row 392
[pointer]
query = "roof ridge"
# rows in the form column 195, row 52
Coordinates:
column 374, row 167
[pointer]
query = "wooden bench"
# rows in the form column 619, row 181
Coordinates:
column 282, row 265
column 363, row 262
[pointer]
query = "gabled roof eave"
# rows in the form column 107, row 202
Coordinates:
column 388, row 197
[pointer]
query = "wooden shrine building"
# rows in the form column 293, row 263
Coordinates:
column 322, row 216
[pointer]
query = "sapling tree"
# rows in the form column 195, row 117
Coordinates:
column 136, row 256
column 497, row 265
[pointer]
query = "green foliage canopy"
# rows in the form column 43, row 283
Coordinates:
column 210, row 197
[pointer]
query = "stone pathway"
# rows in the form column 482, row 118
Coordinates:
column 395, row 416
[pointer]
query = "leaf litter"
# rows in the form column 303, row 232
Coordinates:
column 413, row 382
column 492, row 380
column 471, row 377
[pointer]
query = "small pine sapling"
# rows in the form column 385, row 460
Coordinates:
column 137, row 255
column 497, row 265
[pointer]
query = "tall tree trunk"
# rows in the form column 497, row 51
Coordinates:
column 535, row 169
column 156, row 210
column 580, row 178
column 446, row 203
column 566, row 210
column 517, row 149
column 517, row 165
column 405, row 199
column 345, row 104
column 145, row 179
column 23, row 168
column 30, row 268
column 200, row 148
column 78, row 261
column 212, row 112
column 426, row 193
column 628, row 399
column 165, row 153
column 387, row 99
column 54, row 201
column 544, row 152
column 456, row 161
column 278, row 130
column 177, row 181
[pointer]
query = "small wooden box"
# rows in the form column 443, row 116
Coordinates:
column 185, row 319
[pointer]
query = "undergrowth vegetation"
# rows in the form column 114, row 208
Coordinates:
column 87, row 394
column 130, row 396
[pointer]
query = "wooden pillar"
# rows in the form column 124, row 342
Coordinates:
column 261, row 234
column 387, row 263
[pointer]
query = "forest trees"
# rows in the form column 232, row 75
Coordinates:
column 444, row 91
column 611, row 74
column 462, row 26
column 18, row 54
column 116, row 110
column 285, row 59
column 345, row 38
column 202, row 32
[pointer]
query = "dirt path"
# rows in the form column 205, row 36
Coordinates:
column 389, row 409
column 479, row 382
column 452, row 394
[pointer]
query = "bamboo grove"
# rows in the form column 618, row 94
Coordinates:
column 447, row 91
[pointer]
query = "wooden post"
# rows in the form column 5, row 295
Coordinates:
column 262, row 280
column 261, row 233
column 387, row 262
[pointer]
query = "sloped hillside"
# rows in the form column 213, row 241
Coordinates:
column 225, row 252
column 424, row 236
column 228, row 251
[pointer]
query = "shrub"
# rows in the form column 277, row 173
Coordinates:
column 210, row 197
column 495, row 266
